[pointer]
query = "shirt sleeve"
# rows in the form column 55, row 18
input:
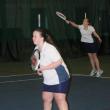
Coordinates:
column 92, row 29
column 80, row 26
column 54, row 54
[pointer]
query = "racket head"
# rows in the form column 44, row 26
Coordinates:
column 61, row 15
column 35, row 60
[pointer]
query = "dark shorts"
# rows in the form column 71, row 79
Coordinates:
column 90, row 47
column 59, row 88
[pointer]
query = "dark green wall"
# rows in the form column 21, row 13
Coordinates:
column 19, row 14
column 19, row 17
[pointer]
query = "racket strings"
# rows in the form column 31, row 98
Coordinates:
column 36, row 50
column 61, row 15
column 35, row 59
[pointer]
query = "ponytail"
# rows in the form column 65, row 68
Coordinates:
column 50, row 40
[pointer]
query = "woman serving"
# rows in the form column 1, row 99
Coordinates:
column 88, row 44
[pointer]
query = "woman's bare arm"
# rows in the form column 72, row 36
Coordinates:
column 97, row 36
column 72, row 23
column 53, row 65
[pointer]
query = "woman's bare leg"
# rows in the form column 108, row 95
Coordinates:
column 47, row 100
column 61, row 101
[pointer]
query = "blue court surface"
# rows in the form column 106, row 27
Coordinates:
column 24, row 93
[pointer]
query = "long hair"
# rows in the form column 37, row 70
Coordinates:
column 46, row 35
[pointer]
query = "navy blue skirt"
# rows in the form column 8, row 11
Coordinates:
column 59, row 88
column 90, row 47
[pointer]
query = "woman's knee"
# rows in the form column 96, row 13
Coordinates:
column 60, row 97
column 94, row 56
column 47, row 97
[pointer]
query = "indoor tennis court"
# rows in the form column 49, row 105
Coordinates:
column 20, row 89
column 24, row 93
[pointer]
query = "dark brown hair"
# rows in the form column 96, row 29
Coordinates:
column 45, row 34
column 48, row 37
column 87, row 20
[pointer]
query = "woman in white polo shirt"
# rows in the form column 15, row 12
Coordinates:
column 52, row 67
column 88, row 44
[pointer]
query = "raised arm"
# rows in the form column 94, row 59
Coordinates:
column 72, row 23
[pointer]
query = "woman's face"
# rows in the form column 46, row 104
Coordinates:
column 37, row 38
column 85, row 22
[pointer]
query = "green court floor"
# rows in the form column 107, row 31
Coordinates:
column 24, row 93
column 76, row 66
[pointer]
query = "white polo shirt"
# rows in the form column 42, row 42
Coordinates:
column 55, row 76
column 86, row 35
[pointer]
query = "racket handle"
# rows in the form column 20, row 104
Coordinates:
column 67, row 21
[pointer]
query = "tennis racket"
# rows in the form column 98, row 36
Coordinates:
column 61, row 15
column 35, row 60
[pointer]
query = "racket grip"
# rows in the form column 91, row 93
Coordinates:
column 67, row 21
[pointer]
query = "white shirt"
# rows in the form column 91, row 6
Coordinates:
column 86, row 35
column 48, row 55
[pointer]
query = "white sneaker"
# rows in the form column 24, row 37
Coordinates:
column 99, row 73
column 92, row 73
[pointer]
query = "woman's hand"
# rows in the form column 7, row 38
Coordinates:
column 40, row 70
column 100, row 40
column 39, row 73
column 97, row 36
column 72, row 23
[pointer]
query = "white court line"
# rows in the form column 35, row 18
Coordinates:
column 84, row 75
column 81, row 75
column 3, row 82
column 16, row 75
